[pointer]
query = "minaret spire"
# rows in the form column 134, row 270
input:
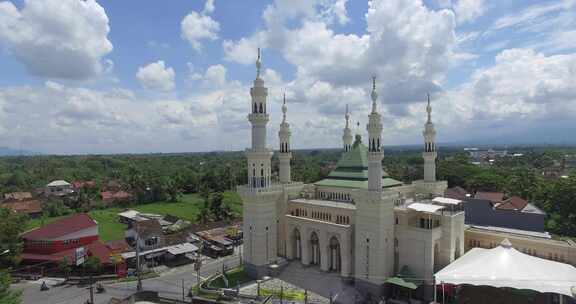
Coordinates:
column 429, row 109
column 429, row 153
column 258, row 65
column 284, row 108
column 347, row 137
column 374, row 95
column 259, row 167
column 285, row 150
column 375, row 154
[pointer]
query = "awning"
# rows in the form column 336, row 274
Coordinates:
column 428, row 208
column 182, row 248
column 504, row 266
column 400, row 282
column 446, row 201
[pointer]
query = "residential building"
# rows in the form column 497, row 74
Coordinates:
column 64, row 239
column 114, row 197
column 492, row 209
column 148, row 233
column 29, row 207
column 58, row 188
column 17, row 196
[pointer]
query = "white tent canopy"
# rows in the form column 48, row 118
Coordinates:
column 428, row 208
column 505, row 266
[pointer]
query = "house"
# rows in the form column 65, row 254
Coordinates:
column 58, row 188
column 491, row 209
column 66, row 233
column 66, row 238
column 30, row 207
column 17, row 196
column 457, row 192
column 148, row 232
column 112, row 197
column 78, row 185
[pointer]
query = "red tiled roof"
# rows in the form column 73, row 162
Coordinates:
column 96, row 248
column 24, row 207
column 99, row 250
column 83, row 184
column 513, row 203
column 495, row 197
column 110, row 195
column 118, row 246
column 61, row 227
column 456, row 193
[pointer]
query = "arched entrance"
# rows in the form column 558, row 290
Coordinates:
column 334, row 255
column 314, row 249
column 296, row 244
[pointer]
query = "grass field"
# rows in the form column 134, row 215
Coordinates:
column 110, row 229
column 235, row 277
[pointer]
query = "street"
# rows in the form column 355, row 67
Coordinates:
column 168, row 284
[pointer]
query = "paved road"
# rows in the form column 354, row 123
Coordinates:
column 169, row 284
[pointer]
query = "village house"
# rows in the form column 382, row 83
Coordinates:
column 17, row 196
column 30, row 207
column 65, row 239
column 115, row 197
column 58, row 188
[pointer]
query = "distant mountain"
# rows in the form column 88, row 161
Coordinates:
column 5, row 151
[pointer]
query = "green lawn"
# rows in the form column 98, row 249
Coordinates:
column 235, row 277
column 110, row 229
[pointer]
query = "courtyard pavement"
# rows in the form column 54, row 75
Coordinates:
column 320, row 285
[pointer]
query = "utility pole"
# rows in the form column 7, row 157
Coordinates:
column 183, row 296
column 139, row 285
column 91, row 289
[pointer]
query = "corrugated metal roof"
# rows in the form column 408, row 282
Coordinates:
column 61, row 227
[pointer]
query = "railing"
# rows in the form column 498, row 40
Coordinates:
column 271, row 188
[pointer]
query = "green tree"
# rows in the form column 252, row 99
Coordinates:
column 8, row 296
column 93, row 264
column 64, row 267
column 11, row 226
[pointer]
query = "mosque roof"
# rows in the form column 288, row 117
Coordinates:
column 352, row 170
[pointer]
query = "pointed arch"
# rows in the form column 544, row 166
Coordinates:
column 314, row 249
column 334, row 254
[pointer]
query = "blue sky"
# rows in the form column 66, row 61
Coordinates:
column 148, row 76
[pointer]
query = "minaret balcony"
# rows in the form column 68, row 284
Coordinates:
column 261, row 118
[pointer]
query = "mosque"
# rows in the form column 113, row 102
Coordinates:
column 358, row 221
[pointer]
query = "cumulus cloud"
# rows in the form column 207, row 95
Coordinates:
column 468, row 10
column 408, row 46
column 209, row 7
column 156, row 76
column 197, row 27
column 57, row 38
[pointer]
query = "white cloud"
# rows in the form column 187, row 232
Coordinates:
column 469, row 10
column 209, row 7
column 57, row 38
column 197, row 27
column 156, row 76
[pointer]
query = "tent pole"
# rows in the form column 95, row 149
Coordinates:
column 443, row 293
column 435, row 290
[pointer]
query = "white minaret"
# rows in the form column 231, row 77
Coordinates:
column 285, row 150
column 429, row 153
column 259, row 198
column 375, row 154
column 374, row 231
column 259, row 167
column 347, row 137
